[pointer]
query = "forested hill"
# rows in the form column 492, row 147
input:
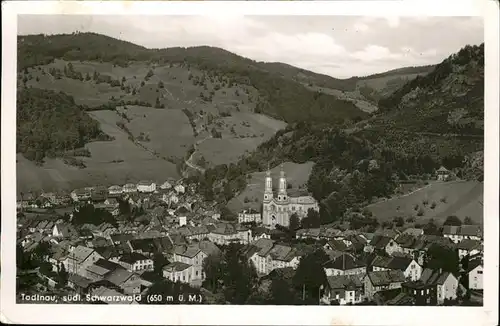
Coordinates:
column 450, row 99
column 413, row 137
column 279, row 96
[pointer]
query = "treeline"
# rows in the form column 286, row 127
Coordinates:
column 441, row 71
column 50, row 123
column 349, row 172
column 279, row 97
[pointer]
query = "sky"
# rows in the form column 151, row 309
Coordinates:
column 339, row 46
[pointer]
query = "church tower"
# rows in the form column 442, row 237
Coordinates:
column 268, row 190
column 282, row 195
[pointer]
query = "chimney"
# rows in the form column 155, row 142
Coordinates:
column 440, row 270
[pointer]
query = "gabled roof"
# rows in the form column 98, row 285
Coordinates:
column 469, row 244
column 132, row 258
column 176, row 266
column 80, row 253
column 413, row 231
column 380, row 241
column 119, row 276
column 337, row 245
column 344, row 262
column 473, row 264
column 382, row 278
column 280, row 252
column 434, row 277
column 396, row 263
column 145, row 183
column 345, row 282
column 442, row 169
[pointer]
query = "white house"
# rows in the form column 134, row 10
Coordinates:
column 382, row 280
column 475, row 274
column 459, row 233
column 248, row 216
column 166, row 185
column 179, row 272
column 345, row 289
column 115, row 190
column 81, row 194
column 146, row 186
column 134, row 262
column 180, row 189
column 442, row 174
column 345, row 264
column 468, row 247
column 410, row 268
column 129, row 187
column 447, row 286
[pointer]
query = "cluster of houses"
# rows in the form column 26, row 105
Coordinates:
column 391, row 268
column 387, row 267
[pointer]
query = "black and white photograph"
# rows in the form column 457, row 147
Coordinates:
column 250, row 160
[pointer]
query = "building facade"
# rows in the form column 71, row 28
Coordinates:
column 278, row 210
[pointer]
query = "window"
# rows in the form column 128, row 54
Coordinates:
column 412, row 266
column 475, row 278
column 480, row 272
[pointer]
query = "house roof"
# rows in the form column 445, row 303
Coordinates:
column 344, row 262
column 380, row 241
column 344, row 282
column 473, row 264
column 176, row 266
column 464, row 230
column 119, row 276
column 101, row 271
column 280, row 252
column 433, row 276
column 397, row 262
column 79, row 281
column 413, row 231
column 132, row 258
column 442, row 169
column 80, row 253
column 469, row 244
column 145, row 183
column 381, row 278
column 108, row 265
column 337, row 245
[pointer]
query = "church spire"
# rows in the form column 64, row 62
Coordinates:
column 268, row 187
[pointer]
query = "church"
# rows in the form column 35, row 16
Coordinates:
column 278, row 209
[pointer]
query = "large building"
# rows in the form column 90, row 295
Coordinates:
column 279, row 209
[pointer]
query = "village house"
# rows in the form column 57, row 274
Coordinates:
column 442, row 174
column 336, row 245
column 166, row 185
column 383, row 244
column 191, row 233
column 283, row 256
column 129, row 282
column 194, row 255
column 225, row 233
column 260, row 233
column 249, row 215
column 415, row 232
column 256, row 252
column 345, row 264
column 82, row 194
column 459, row 233
column 468, row 247
column 170, row 198
column 79, row 283
column 308, row 234
column 64, row 230
column 104, row 230
column 43, row 202
column 344, row 289
column 79, row 259
column 381, row 281
column 474, row 274
column 434, row 286
column 115, row 191
column 45, row 226
column 134, row 262
column 129, row 188
column 179, row 272
column 26, row 200
column 146, row 186
column 410, row 268
column 180, row 189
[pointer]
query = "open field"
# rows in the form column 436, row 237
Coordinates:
column 296, row 175
column 241, row 132
column 111, row 162
column 460, row 198
column 169, row 131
